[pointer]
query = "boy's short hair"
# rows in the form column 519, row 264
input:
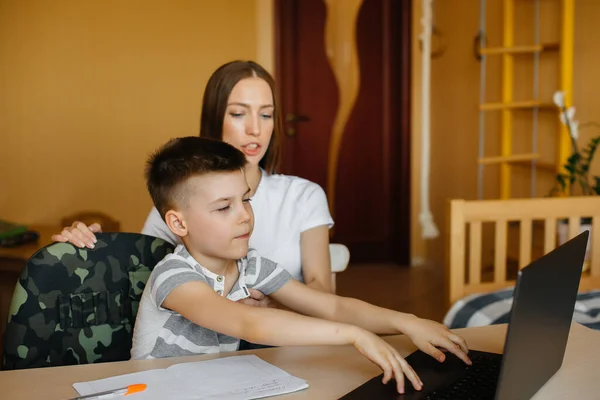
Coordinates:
column 182, row 158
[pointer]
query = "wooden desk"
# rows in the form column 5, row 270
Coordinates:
column 331, row 371
column 21, row 254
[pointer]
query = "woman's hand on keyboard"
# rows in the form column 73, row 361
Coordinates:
column 428, row 335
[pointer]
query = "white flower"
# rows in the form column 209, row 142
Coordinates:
column 559, row 98
column 570, row 115
column 574, row 130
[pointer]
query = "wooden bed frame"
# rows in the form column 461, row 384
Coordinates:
column 464, row 274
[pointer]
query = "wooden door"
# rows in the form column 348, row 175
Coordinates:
column 372, row 201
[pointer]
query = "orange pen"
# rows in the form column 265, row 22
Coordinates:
column 131, row 389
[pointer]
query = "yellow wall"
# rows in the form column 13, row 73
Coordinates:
column 455, row 96
column 586, row 84
column 89, row 88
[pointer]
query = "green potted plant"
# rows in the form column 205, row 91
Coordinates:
column 575, row 179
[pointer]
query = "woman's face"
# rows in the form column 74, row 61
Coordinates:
column 248, row 123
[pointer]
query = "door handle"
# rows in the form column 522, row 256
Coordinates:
column 296, row 118
column 293, row 118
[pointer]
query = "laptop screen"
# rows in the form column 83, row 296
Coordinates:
column 541, row 317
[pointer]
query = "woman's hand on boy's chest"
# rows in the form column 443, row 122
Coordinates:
column 258, row 299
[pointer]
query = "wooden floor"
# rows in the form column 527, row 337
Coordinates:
column 418, row 290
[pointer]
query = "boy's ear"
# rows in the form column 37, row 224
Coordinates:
column 176, row 223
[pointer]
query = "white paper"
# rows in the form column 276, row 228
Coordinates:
column 237, row 377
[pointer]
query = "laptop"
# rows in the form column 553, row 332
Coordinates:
column 540, row 321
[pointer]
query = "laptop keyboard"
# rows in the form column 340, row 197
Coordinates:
column 478, row 383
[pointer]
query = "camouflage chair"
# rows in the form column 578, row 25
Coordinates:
column 78, row 306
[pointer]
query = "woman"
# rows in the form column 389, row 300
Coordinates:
column 292, row 218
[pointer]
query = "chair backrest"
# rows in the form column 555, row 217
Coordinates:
column 545, row 213
column 339, row 259
column 78, row 306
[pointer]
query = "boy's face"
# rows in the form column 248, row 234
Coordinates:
column 218, row 218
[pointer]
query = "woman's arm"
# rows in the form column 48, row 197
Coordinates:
column 316, row 267
column 427, row 335
column 316, row 262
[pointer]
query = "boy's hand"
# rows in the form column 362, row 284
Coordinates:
column 387, row 358
column 428, row 335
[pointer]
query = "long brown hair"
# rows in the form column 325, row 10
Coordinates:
column 214, row 105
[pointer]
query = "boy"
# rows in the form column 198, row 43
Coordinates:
column 190, row 304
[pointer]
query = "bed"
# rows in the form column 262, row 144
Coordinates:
column 480, row 292
column 494, row 308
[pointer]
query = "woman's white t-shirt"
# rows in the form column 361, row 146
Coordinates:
column 284, row 207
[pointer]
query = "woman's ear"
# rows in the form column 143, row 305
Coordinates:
column 176, row 223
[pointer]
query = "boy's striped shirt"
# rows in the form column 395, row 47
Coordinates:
column 160, row 332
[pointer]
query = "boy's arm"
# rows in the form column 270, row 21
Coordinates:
column 277, row 327
column 254, row 324
column 427, row 335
